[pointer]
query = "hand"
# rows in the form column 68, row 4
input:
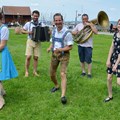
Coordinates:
column 114, row 68
column 58, row 50
column 108, row 63
column 30, row 32
column 50, row 32
column 75, row 32
column 48, row 50
column 89, row 24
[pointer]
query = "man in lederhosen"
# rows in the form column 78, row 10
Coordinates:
column 61, row 44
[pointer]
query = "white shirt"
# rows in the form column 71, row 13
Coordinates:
column 4, row 33
column 29, row 26
column 68, row 40
column 89, row 42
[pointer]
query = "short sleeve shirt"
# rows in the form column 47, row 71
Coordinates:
column 29, row 26
column 4, row 33
column 68, row 40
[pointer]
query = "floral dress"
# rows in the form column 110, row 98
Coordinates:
column 114, row 57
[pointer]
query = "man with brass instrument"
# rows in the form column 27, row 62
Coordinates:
column 85, row 48
column 61, row 44
column 32, row 47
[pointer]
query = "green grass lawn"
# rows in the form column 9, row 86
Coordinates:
column 30, row 98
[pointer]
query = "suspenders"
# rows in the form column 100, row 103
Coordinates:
column 61, row 40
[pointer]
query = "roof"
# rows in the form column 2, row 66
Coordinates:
column 16, row 10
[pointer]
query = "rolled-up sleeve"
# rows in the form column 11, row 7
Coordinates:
column 26, row 26
column 69, row 39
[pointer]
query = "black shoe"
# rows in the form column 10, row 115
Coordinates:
column 64, row 100
column 108, row 99
column 83, row 74
column 89, row 76
column 54, row 89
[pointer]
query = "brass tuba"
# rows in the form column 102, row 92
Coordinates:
column 83, row 35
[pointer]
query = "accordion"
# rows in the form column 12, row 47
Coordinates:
column 40, row 34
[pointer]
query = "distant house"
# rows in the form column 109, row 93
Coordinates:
column 16, row 14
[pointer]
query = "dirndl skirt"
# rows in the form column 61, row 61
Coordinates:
column 7, row 67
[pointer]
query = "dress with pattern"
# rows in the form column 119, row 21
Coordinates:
column 114, row 57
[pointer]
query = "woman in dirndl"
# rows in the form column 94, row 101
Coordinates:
column 7, row 67
column 113, row 62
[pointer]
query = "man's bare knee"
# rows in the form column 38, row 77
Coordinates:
column 28, row 57
column 35, row 58
column 63, row 74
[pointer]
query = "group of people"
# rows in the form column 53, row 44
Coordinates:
column 61, row 44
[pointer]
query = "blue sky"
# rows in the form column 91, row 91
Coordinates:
column 69, row 7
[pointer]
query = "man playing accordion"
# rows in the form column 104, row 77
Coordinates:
column 32, row 47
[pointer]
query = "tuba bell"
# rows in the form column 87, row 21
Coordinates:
column 83, row 35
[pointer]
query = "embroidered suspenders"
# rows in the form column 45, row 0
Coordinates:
column 61, row 40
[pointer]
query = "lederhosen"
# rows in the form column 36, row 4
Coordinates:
column 62, row 57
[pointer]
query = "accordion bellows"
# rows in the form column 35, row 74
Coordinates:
column 41, row 34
